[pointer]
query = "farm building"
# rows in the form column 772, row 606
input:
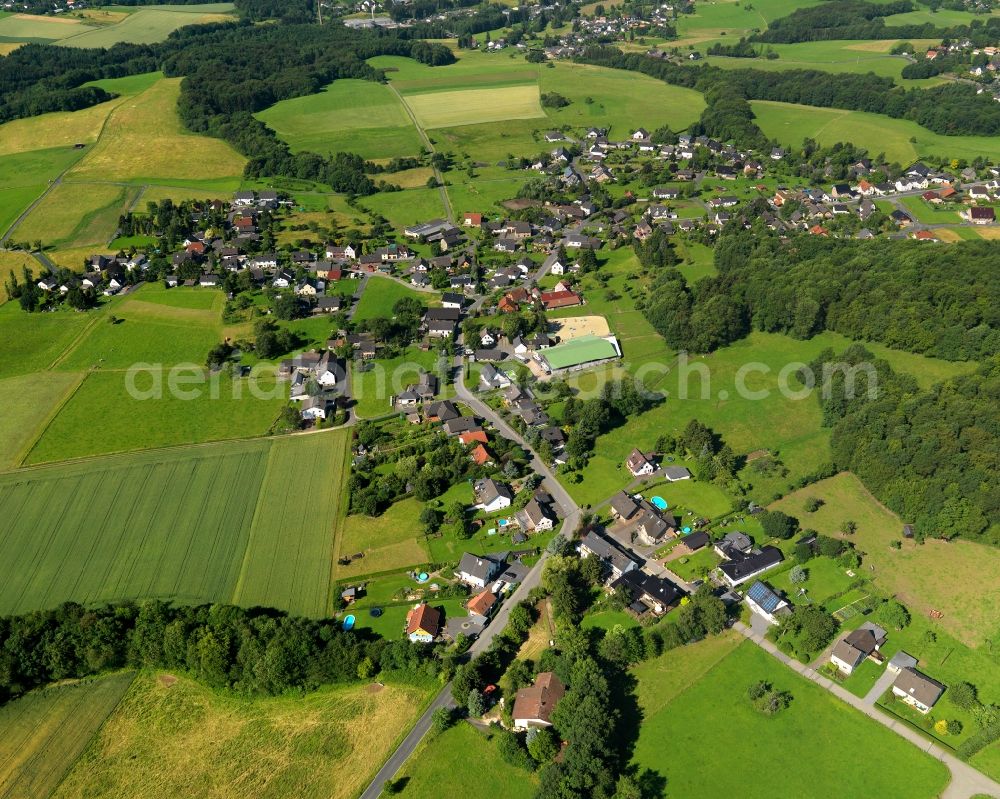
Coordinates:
column 581, row 352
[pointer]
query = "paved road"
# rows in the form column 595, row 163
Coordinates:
column 965, row 780
column 571, row 515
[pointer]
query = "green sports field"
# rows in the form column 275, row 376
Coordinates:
column 250, row 522
column 577, row 351
column 681, row 706
column 790, row 124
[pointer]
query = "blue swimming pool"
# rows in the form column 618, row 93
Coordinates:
column 659, row 502
column 349, row 621
column 503, row 522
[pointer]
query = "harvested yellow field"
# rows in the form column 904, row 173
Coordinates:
column 77, row 214
column 171, row 737
column 409, row 178
column 100, row 16
column 59, row 129
column 988, row 233
column 947, row 235
column 144, row 140
column 73, row 257
column 9, row 47
column 475, row 106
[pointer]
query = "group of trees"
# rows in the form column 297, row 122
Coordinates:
column 932, row 301
column 951, row 109
column 258, row 651
column 714, row 459
column 587, row 419
column 930, row 455
column 32, row 298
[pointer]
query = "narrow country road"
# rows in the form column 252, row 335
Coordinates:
column 965, row 780
column 445, row 200
column 571, row 517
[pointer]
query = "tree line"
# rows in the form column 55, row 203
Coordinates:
column 951, row 109
column 935, row 301
column 931, row 456
column 252, row 651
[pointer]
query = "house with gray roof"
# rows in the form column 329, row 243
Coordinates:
column 615, row 559
column 478, row 570
column 917, row 689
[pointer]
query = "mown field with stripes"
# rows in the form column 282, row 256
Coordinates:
column 251, row 522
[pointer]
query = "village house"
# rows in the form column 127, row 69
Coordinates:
column 477, row 571
column 614, row 558
column 647, row 593
column 423, row 624
column 537, row 516
column 917, row 689
column 481, row 606
column 745, row 566
column 858, row 645
column 492, row 496
column 533, row 706
column 765, row 602
column 639, row 464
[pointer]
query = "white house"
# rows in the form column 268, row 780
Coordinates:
column 477, row 571
column 492, row 496
column 917, row 689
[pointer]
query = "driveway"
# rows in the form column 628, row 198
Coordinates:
column 882, row 685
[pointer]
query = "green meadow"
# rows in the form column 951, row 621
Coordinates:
column 357, row 115
column 790, row 124
column 685, row 693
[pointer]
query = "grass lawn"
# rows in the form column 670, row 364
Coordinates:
column 144, row 141
column 348, row 115
column 223, row 408
column 930, row 576
column 448, row 763
column 32, row 342
column 608, row 620
column 28, row 401
column 817, row 728
column 289, row 557
column 174, row 737
column 59, row 129
column 988, row 760
column 696, row 566
column 77, row 214
column 790, row 124
column 931, row 214
column 825, row 578
column 393, row 540
column 372, row 389
column 45, row 731
column 381, row 294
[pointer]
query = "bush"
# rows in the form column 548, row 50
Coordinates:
column 778, row 525
column 442, row 719
column 954, row 727
column 963, row 695
column 893, row 614
column 798, row 575
column 765, row 699
column 813, row 504
column 512, row 751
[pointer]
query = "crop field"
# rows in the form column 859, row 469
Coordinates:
column 148, row 25
column 221, row 408
column 173, row 737
column 43, row 30
column 816, row 728
column 77, row 214
column 447, row 109
column 28, row 401
column 288, row 563
column 932, row 576
column 359, row 116
column 448, row 763
column 32, row 342
column 790, row 124
column 43, row 733
column 170, row 524
column 144, row 141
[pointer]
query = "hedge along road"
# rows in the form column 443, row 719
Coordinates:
column 571, row 518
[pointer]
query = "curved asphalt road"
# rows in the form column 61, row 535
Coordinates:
column 571, row 515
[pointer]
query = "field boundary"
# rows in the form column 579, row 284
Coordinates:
column 25, row 451
column 338, row 526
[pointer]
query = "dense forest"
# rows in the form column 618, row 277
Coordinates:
column 932, row 456
column 855, row 19
column 952, row 109
column 938, row 301
column 255, row 651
